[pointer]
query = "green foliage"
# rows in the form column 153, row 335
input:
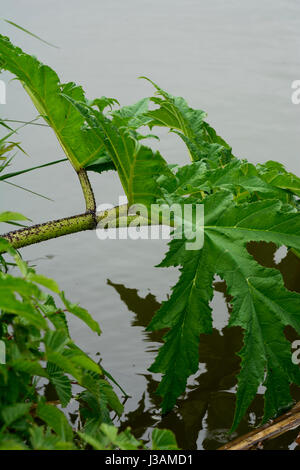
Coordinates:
column 39, row 348
column 163, row 439
column 275, row 174
column 8, row 216
column 108, row 438
column 137, row 165
column 259, row 298
column 201, row 139
column 43, row 86
column 242, row 203
column 40, row 353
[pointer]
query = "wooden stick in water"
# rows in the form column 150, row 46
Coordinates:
column 278, row 426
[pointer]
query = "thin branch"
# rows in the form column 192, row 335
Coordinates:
column 284, row 423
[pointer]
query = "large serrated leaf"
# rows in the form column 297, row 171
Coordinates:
column 261, row 304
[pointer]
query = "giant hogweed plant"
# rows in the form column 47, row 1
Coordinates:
column 242, row 203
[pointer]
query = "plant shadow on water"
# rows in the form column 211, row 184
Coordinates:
column 203, row 415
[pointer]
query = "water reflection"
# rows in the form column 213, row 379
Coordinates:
column 203, row 415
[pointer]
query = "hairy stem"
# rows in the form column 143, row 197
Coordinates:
column 53, row 229
column 284, row 423
column 57, row 228
column 116, row 217
column 87, row 191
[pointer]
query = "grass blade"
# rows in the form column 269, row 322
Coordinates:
column 17, row 173
column 29, row 32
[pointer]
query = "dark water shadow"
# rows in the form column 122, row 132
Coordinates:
column 203, row 415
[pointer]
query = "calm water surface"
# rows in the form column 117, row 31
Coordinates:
column 236, row 60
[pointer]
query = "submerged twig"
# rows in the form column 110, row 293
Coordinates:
column 281, row 425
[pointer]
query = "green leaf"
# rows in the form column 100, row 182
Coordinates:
column 79, row 358
column 111, row 397
column 61, row 383
column 44, row 281
column 9, row 303
column 8, row 443
column 12, row 413
column 81, row 313
column 65, row 364
column 6, row 247
column 202, row 141
column 238, row 176
column 101, row 398
column 103, row 103
column 100, row 164
column 21, row 172
column 133, row 116
column 42, row 84
column 259, row 297
column 55, row 315
column 7, row 216
column 92, row 441
column 43, row 440
column 275, row 174
column 124, row 441
column 29, row 367
column 56, row 420
column 109, row 439
column 137, row 165
column 29, row 32
column 55, row 341
column 163, row 439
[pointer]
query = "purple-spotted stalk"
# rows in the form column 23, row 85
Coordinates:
column 76, row 223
